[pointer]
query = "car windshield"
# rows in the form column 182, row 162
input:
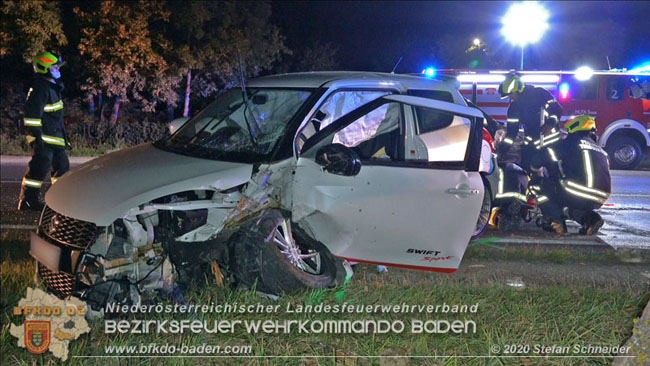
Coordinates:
column 235, row 129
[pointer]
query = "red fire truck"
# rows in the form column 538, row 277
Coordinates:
column 619, row 100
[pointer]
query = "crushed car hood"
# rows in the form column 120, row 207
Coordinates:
column 103, row 189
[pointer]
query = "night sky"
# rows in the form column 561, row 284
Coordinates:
column 373, row 35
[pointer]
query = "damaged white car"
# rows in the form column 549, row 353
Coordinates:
column 275, row 185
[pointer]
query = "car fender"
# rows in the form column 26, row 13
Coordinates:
column 622, row 124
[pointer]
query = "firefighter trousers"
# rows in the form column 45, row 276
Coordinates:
column 562, row 205
column 45, row 158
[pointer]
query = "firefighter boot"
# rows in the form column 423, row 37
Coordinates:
column 559, row 227
column 509, row 218
column 29, row 199
column 546, row 225
column 591, row 223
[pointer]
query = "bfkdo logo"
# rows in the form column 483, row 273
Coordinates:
column 37, row 335
column 50, row 323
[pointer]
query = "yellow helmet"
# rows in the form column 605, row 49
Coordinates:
column 580, row 123
column 43, row 61
column 512, row 84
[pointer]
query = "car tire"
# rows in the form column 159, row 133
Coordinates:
column 624, row 153
column 260, row 261
column 484, row 214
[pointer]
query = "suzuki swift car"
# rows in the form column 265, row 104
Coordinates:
column 274, row 185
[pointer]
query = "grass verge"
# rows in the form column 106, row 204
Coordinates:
column 575, row 313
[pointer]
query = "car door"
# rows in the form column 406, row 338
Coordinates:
column 415, row 199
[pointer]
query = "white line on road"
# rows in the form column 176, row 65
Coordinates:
column 15, row 181
column 17, row 227
column 595, row 241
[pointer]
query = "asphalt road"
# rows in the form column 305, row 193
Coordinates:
column 626, row 213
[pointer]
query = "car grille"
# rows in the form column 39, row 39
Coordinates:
column 66, row 230
column 59, row 283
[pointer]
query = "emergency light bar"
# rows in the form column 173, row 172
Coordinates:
column 641, row 70
column 480, row 78
column 540, row 78
column 584, row 73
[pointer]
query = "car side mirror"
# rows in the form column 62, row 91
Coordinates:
column 338, row 159
column 176, row 124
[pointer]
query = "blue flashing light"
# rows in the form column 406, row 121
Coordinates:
column 429, row 72
column 564, row 90
column 644, row 68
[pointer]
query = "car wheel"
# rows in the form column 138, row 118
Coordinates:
column 277, row 257
column 484, row 214
column 624, row 153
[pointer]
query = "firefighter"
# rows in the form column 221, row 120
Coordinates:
column 511, row 187
column 536, row 111
column 43, row 121
column 578, row 178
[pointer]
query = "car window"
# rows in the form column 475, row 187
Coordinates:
column 640, row 87
column 429, row 119
column 375, row 135
column 615, row 88
column 442, row 95
column 445, row 138
column 335, row 106
column 584, row 90
column 232, row 128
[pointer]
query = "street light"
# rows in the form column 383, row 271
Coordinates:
column 524, row 23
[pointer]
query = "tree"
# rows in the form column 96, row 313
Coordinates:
column 316, row 56
column 210, row 39
column 30, row 27
column 124, row 61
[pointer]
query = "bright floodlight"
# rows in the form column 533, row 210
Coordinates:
column 477, row 42
column 524, row 23
column 583, row 73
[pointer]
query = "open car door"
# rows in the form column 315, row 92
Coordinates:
column 394, row 182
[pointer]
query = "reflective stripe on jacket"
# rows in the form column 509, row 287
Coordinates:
column 44, row 112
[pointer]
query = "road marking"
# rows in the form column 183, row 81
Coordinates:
column 551, row 241
column 629, row 195
column 17, row 227
column 16, row 181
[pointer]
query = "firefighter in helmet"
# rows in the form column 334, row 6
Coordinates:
column 578, row 178
column 535, row 110
column 43, row 120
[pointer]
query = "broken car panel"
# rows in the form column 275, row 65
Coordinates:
column 275, row 191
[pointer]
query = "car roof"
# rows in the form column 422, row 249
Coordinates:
column 322, row 78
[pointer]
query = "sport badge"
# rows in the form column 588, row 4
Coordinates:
column 37, row 335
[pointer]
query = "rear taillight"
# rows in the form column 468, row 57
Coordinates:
column 488, row 138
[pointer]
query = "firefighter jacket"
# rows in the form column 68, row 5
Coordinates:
column 44, row 113
column 581, row 166
column 534, row 108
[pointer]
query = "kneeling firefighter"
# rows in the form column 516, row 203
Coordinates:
column 578, row 179
column 512, row 185
column 43, row 120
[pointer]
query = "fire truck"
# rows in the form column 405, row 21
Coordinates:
column 619, row 100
